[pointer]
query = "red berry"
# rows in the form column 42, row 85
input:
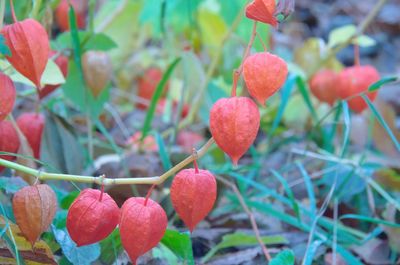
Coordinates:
column 193, row 195
column 62, row 62
column 234, row 124
column 32, row 125
column 264, row 73
column 92, row 217
column 62, row 14
column 323, row 86
column 9, row 141
column 7, row 96
column 147, row 85
column 29, row 45
column 141, row 226
column 355, row 80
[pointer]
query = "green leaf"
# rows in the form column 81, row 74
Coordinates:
column 64, row 40
column 3, row 46
column 377, row 85
column 99, row 42
column 84, row 255
column 285, row 257
column 111, row 247
column 52, row 74
column 76, row 90
column 67, row 200
column 364, row 41
column 340, row 35
column 369, row 219
column 241, row 239
column 382, row 121
column 180, row 244
column 156, row 96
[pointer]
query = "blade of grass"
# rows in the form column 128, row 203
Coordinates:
column 285, row 95
column 310, row 189
column 156, row 96
column 369, row 219
column 347, row 126
column 382, row 122
column 78, row 61
column 383, row 193
column 166, row 162
column 289, row 193
column 308, row 258
column 377, row 85
column 304, row 92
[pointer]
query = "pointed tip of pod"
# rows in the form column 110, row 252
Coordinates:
column 235, row 161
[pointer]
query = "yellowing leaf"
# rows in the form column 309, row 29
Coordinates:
column 41, row 255
column 309, row 56
column 212, row 26
column 341, row 35
column 389, row 178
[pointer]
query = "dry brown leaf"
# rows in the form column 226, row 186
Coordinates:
column 41, row 254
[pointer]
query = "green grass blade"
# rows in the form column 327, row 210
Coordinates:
column 309, row 256
column 369, row 219
column 380, row 83
column 347, row 126
column 347, row 256
column 289, row 193
column 156, row 96
column 382, row 122
column 76, row 42
column 165, row 160
column 285, row 95
column 310, row 189
column 302, row 86
column 240, row 239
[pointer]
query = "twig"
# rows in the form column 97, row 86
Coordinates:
column 250, row 214
column 108, row 181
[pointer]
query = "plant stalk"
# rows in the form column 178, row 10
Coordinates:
column 108, row 181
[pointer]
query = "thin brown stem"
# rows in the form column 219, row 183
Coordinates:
column 249, row 214
column 149, row 194
column 356, row 55
column 262, row 42
column 238, row 72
